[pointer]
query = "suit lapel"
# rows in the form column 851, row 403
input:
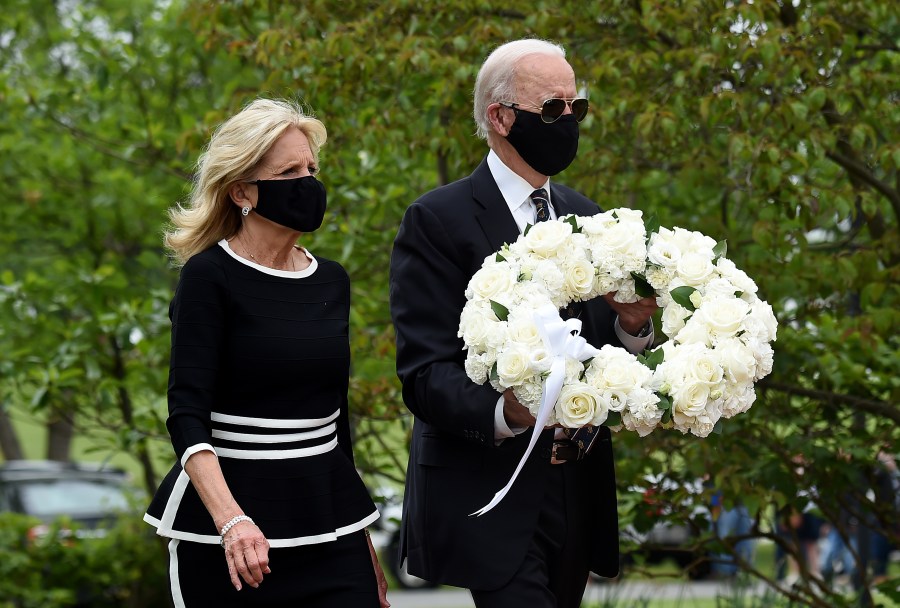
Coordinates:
column 493, row 216
column 559, row 202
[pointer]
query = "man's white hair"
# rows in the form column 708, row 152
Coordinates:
column 497, row 76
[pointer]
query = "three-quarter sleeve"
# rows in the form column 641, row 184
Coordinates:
column 197, row 313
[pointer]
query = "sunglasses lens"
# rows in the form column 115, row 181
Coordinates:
column 580, row 108
column 552, row 109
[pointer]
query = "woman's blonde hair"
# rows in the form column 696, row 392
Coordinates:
column 234, row 151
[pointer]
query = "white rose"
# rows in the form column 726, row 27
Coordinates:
column 673, row 318
column 522, row 329
column 704, row 367
column 578, row 279
column 695, row 331
column 476, row 322
column 597, row 224
column 723, row 316
column 513, row 366
column 577, row 405
column 545, row 238
column 737, row 359
column 694, row 268
column 719, row 287
column 689, row 398
column 491, row 281
column 762, row 312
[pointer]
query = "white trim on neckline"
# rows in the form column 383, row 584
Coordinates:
column 289, row 274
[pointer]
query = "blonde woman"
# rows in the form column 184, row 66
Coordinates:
column 264, row 506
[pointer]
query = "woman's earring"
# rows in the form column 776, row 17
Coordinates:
column 245, row 211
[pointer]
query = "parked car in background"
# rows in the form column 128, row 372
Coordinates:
column 386, row 538
column 87, row 494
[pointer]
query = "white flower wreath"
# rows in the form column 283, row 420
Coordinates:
column 719, row 330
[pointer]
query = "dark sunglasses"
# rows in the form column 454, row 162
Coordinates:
column 553, row 108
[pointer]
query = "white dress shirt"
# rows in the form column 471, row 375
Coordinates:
column 517, row 194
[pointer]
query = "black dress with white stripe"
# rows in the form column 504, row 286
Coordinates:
column 259, row 374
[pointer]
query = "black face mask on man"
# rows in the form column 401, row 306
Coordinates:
column 548, row 147
column 298, row 204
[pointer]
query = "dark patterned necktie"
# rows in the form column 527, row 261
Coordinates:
column 581, row 437
column 541, row 205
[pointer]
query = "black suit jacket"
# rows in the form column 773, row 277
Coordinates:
column 454, row 466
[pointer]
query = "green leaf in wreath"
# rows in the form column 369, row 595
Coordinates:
column 500, row 310
column 641, row 286
column 653, row 359
column 667, row 417
column 682, row 295
column 720, row 249
column 613, row 419
column 652, row 225
column 718, row 428
column 574, row 223
column 527, row 228
column 494, row 375
column 664, row 403
column 499, row 258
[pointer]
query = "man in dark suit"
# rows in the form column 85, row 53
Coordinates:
column 559, row 519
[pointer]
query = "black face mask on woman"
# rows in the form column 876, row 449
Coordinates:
column 547, row 147
column 298, row 204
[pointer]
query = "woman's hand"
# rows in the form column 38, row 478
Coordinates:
column 379, row 575
column 247, row 554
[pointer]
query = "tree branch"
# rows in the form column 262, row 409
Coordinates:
column 861, row 172
column 871, row 406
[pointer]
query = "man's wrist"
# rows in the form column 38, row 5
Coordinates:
column 644, row 331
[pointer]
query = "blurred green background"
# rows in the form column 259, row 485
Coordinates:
column 772, row 124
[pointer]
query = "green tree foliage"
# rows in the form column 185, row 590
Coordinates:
column 104, row 109
column 770, row 124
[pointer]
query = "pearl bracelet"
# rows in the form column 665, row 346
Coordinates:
column 230, row 524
